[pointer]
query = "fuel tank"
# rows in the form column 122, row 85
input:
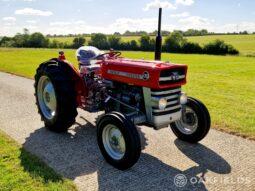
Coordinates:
column 145, row 73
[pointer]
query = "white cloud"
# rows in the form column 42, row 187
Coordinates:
column 79, row 22
column 196, row 21
column 180, row 15
column 60, row 23
column 184, row 2
column 119, row 25
column 32, row 21
column 123, row 24
column 10, row 19
column 157, row 4
column 33, row 12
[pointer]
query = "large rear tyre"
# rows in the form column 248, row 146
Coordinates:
column 194, row 126
column 55, row 96
column 118, row 140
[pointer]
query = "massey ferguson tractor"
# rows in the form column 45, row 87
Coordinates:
column 130, row 92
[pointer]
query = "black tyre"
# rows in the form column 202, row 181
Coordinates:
column 118, row 140
column 55, row 95
column 197, row 123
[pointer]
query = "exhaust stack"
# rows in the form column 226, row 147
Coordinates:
column 158, row 45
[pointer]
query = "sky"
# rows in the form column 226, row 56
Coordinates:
column 109, row 16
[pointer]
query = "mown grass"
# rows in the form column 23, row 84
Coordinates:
column 224, row 83
column 22, row 171
column 244, row 43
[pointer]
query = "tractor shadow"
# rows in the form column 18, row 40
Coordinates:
column 75, row 154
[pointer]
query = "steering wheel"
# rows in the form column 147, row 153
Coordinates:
column 110, row 54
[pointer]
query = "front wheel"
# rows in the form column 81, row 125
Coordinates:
column 194, row 123
column 118, row 140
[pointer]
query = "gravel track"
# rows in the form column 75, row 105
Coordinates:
column 220, row 162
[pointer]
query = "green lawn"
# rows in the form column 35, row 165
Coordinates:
column 244, row 43
column 22, row 171
column 224, row 83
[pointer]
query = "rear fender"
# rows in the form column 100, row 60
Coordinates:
column 80, row 88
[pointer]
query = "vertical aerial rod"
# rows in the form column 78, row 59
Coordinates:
column 158, row 45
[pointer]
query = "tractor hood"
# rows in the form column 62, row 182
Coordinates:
column 151, row 74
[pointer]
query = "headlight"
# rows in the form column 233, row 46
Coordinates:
column 183, row 98
column 160, row 103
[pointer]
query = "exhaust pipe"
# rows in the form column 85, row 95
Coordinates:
column 158, row 45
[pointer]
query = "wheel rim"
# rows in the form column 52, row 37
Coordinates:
column 46, row 97
column 190, row 125
column 114, row 142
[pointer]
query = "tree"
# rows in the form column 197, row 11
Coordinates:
column 54, row 44
column 78, row 42
column 37, row 40
column 146, row 43
column 219, row 47
column 26, row 31
column 99, row 40
column 133, row 45
column 21, row 40
column 114, row 41
column 191, row 47
column 174, row 42
column 7, row 42
column 117, row 33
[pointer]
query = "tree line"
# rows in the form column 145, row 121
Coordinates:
column 189, row 32
column 174, row 42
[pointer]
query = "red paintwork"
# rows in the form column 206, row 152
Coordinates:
column 139, row 67
column 128, row 66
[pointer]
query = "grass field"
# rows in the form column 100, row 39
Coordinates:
column 244, row 43
column 224, row 83
column 20, row 170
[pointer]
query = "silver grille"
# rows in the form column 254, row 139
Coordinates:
column 162, row 117
column 172, row 97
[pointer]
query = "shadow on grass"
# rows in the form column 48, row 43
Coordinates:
column 75, row 153
column 37, row 168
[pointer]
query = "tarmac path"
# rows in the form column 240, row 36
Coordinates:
column 220, row 162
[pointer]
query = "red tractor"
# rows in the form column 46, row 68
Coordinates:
column 131, row 92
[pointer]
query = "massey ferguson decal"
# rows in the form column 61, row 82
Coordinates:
column 144, row 76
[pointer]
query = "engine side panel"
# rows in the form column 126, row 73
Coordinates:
column 144, row 73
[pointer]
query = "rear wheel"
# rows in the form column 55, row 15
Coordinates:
column 195, row 122
column 118, row 140
column 55, row 96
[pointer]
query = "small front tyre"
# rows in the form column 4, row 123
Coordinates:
column 195, row 122
column 118, row 140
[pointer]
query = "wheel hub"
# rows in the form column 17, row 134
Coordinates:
column 189, row 123
column 114, row 142
column 46, row 97
column 49, row 96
